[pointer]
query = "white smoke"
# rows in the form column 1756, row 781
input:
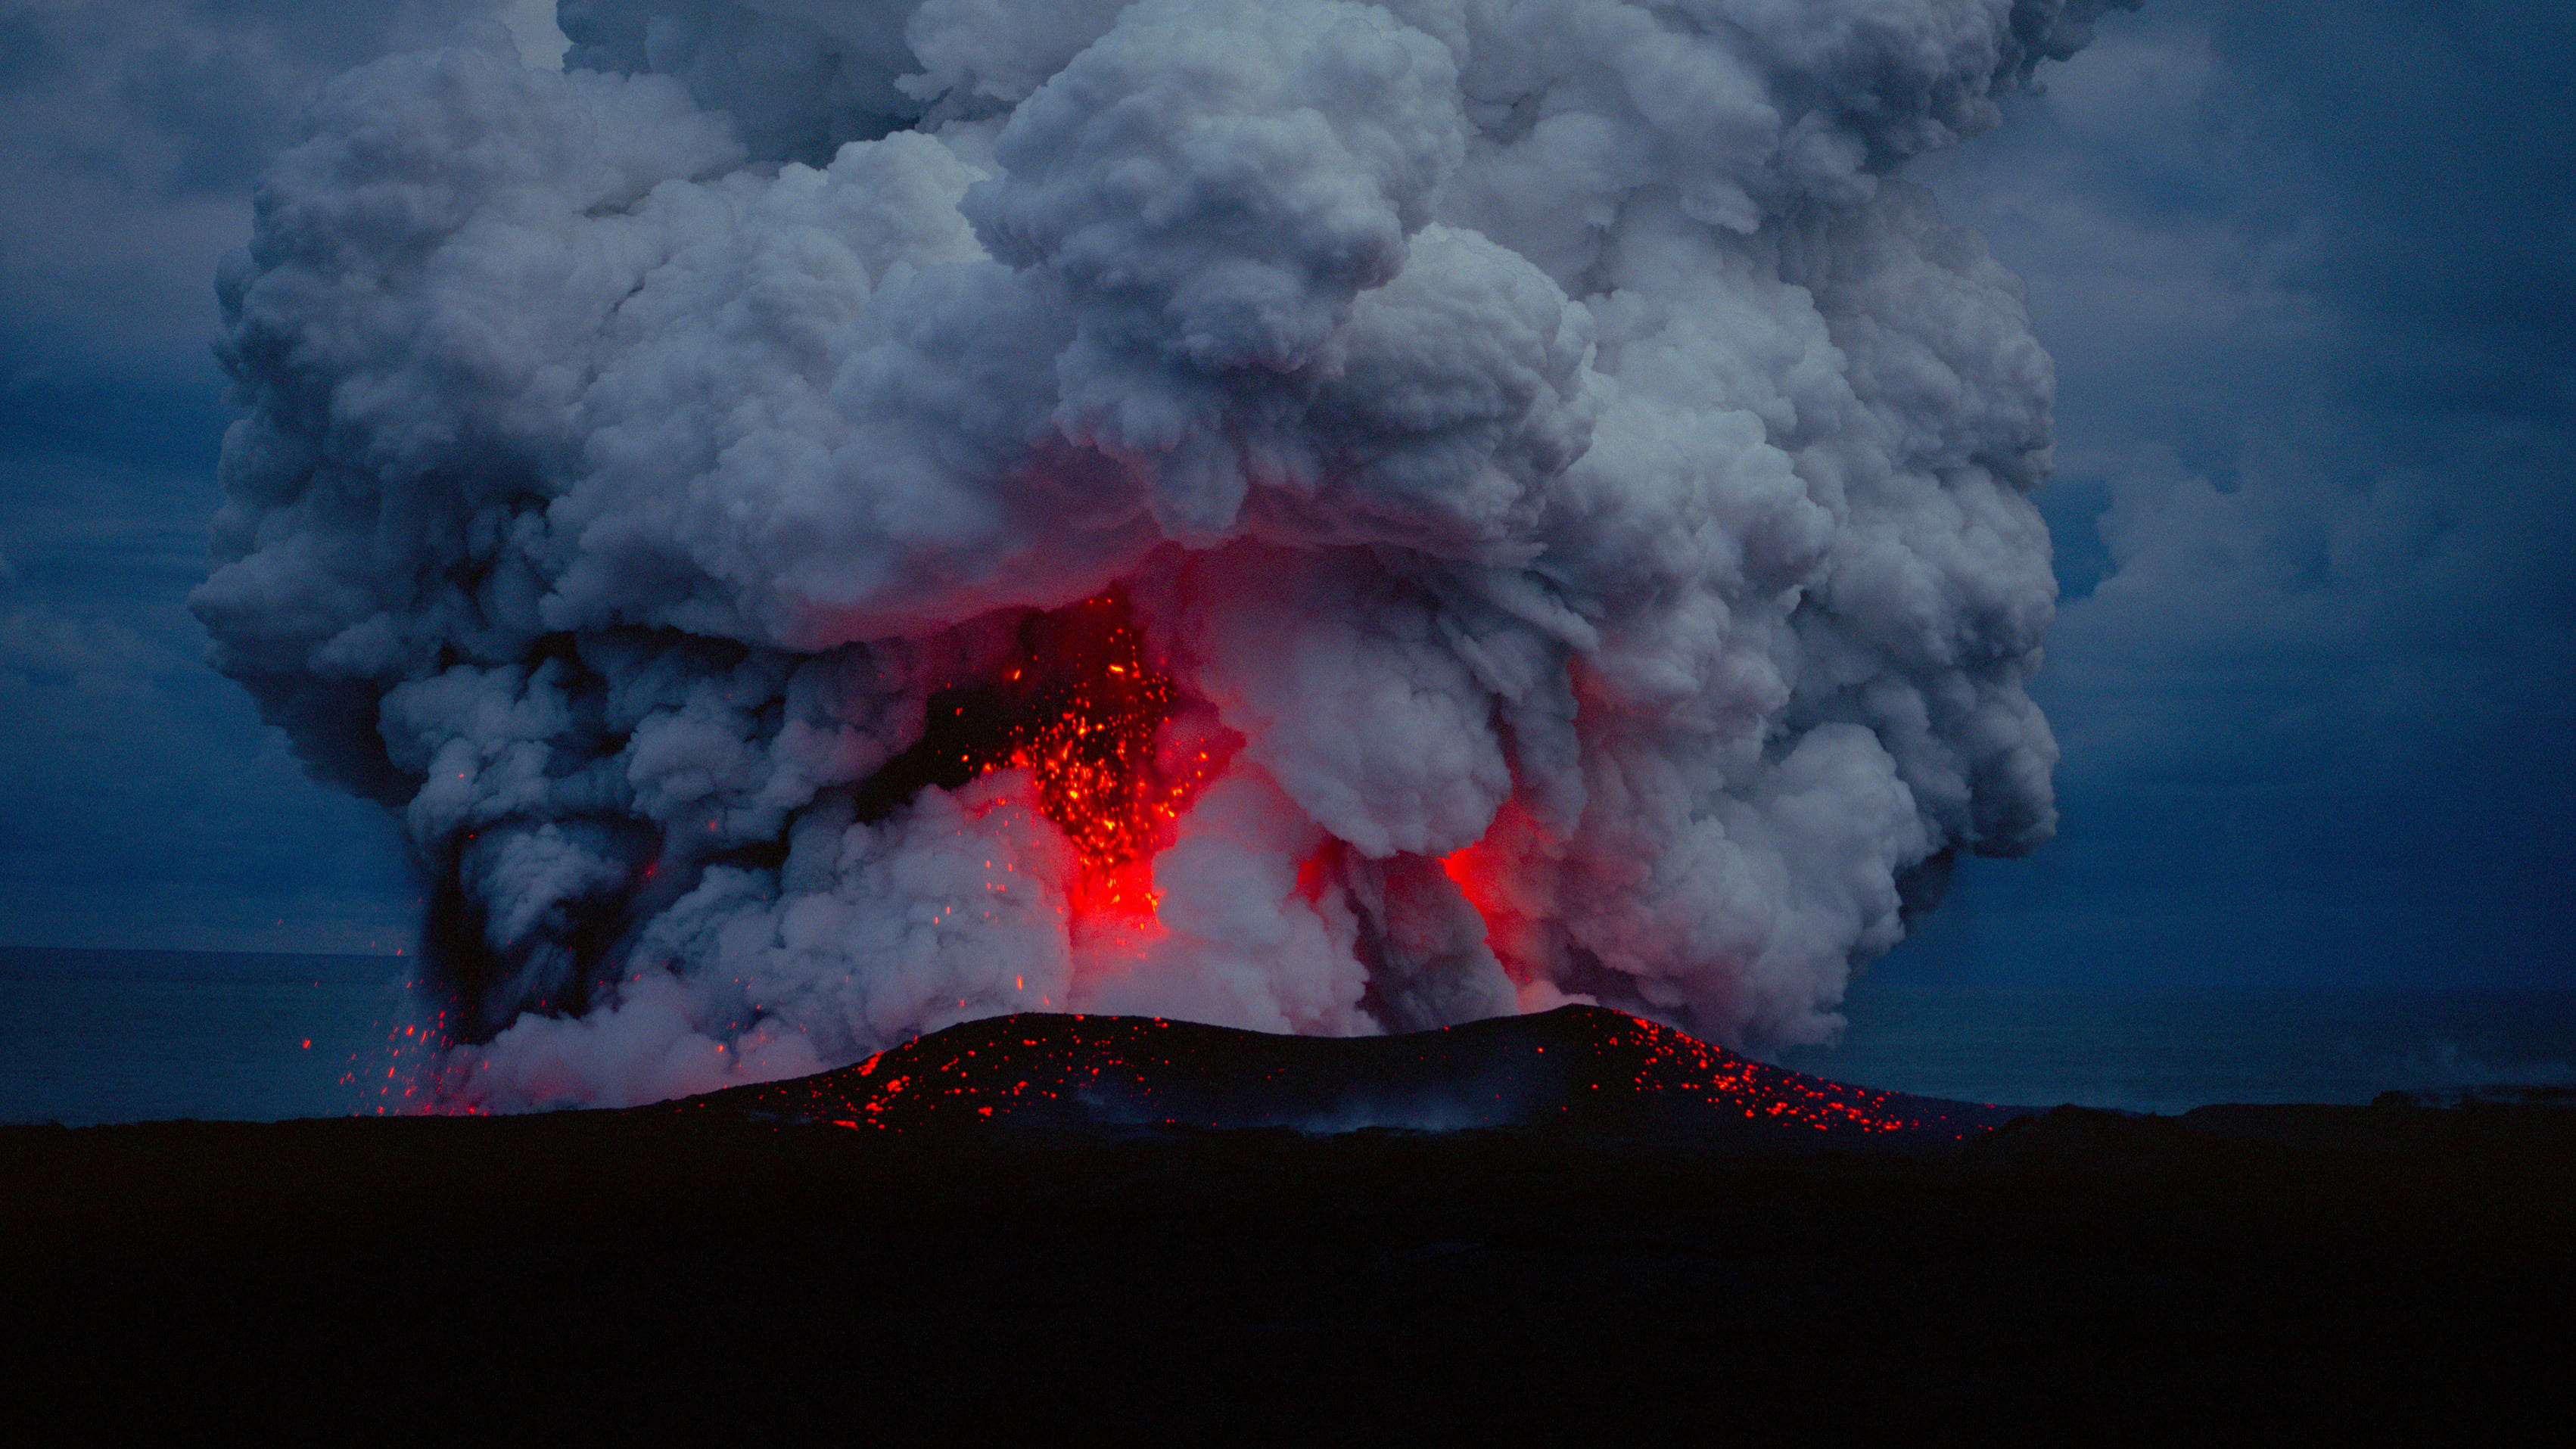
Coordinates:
column 1544, row 431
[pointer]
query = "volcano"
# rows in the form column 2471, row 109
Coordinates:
column 822, row 520
column 1580, row 1066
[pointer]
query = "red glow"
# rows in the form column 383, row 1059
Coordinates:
column 1608, row 1068
column 1492, row 875
column 1473, row 870
column 1092, row 709
column 1312, row 872
column 1467, row 868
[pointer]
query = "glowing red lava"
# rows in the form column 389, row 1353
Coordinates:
column 1581, row 1067
column 1088, row 716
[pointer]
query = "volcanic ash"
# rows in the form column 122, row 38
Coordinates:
column 829, row 520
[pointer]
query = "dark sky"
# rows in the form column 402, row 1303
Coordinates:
column 2305, row 274
column 2304, row 267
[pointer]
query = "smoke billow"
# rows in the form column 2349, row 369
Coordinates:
column 830, row 518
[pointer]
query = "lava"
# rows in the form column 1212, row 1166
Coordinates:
column 1102, row 731
column 1090, row 736
column 1579, row 1066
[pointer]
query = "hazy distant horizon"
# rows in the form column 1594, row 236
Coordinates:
column 95, row 1037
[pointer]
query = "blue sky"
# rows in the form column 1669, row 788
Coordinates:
column 2302, row 267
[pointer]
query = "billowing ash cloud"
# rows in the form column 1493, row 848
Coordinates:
column 1553, row 502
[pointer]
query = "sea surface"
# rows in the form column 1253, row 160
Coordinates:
column 143, row 1036
column 126, row 1036
column 2171, row 1051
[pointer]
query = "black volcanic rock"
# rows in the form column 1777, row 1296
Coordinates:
column 1579, row 1066
column 2355, row 1274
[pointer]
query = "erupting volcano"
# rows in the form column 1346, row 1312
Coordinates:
column 1097, row 726
column 1575, row 1066
column 829, row 520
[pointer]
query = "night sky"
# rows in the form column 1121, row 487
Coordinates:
column 2303, row 267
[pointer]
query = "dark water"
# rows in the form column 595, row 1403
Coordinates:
column 2175, row 1051
column 126, row 1036
column 140, row 1036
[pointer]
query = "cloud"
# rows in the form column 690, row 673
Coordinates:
column 134, row 133
column 2313, row 438
column 144, row 804
column 532, row 28
column 1567, row 479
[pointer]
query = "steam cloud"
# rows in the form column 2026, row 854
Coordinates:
column 1576, row 491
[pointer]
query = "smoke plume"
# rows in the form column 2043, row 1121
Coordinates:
column 831, row 518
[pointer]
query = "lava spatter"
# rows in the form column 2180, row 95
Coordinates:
column 1580, row 1066
column 1680, row 507
column 1087, row 707
column 1115, row 749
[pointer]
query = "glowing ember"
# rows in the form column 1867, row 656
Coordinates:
column 1086, row 714
column 1607, row 1071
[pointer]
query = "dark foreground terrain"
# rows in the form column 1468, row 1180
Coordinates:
column 1574, row 1067
column 2394, row 1273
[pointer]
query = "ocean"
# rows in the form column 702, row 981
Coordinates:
column 2171, row 1051
column 129, row 1036
column 140, row 1036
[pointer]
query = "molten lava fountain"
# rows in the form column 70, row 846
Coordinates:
column 1091, row 719
column 827, row 521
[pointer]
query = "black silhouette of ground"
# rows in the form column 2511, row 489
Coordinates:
column 1575, row 1066
column 2393, row 1273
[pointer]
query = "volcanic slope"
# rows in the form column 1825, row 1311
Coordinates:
column 1581, row 1066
